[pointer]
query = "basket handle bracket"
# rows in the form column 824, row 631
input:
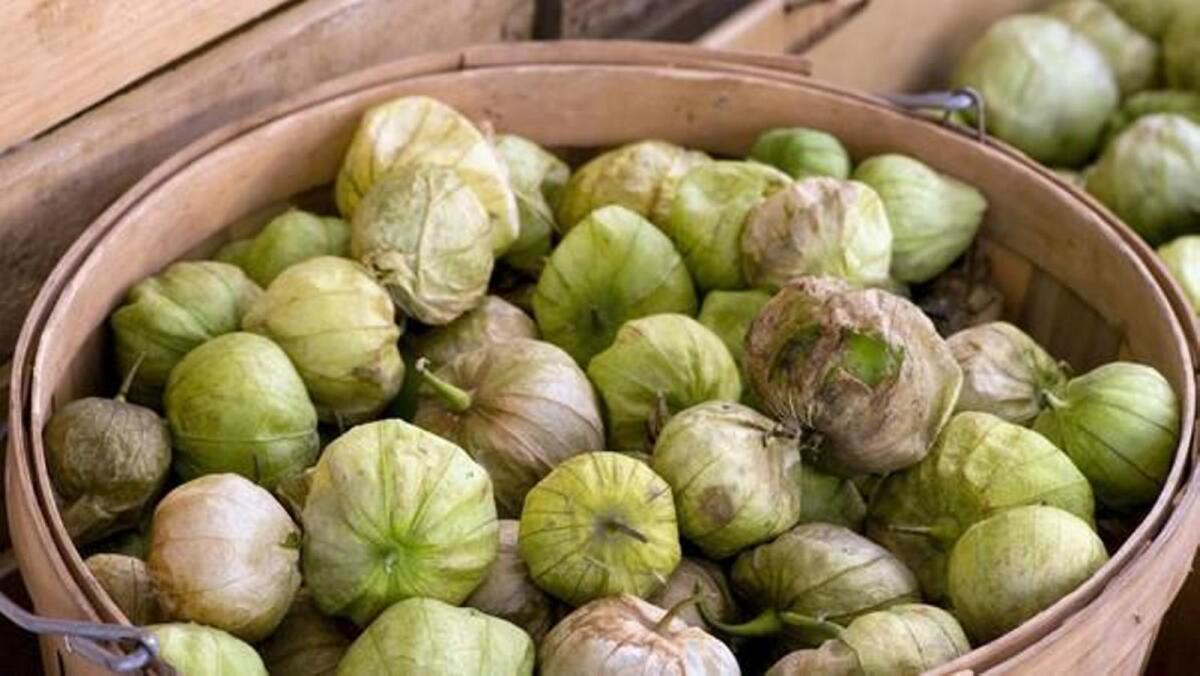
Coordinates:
column 948, row 102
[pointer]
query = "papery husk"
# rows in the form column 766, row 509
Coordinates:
column 236, row 404
column 1132, row 56
column 166, row 316
column 127, row 582
column 1134, row 108
column 657, row 366
column 1152, row 17
column 826, row 498
column 508, row 591
column 1119, row 424
column 1181, row 49
column 1005, row 372
column 980, row 466
column 395, row 512
column 538, row 179
column 424, row 236
column 641, row 177
column 432, row 638
column 802, row 152
column 519, row 408
column 1182, row 258
column 197, row 650
column 224, row 553
column 860, row 371
column 735, row 475
column 709, row 214
column 697, row 581
column 623, row 634
column 292, row 237
column 817, row 226
column 338, row 328
column 420, row 131
column 612, row 267
column 600, row 524
column 495, row 320
column 307, row 643
column 992, row 583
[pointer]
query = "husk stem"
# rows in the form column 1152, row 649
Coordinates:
column 771, row 622
column 127, row 382
column 674, row 610
column 455, row 398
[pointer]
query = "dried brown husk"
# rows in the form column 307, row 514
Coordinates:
column 307, row 643
column 861, row 372
column 963, row 296
column 494, row 321
column 1005, row 372
column 697, row 581
column 623, row 634
column 108, row 460
column 508, row 592
column 128, row 584
column 518, row 408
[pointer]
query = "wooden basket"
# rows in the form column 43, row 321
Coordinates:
column 1082, row 285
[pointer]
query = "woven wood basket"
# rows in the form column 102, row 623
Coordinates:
column 1079, row 282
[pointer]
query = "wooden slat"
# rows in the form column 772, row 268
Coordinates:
column 781, row 25
column 52, row 187
column 60, row 56
column 635, row 19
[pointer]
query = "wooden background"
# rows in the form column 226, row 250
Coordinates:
column 97, row 92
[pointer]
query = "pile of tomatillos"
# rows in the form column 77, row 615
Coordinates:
column 1108, row 92
column 664, row 412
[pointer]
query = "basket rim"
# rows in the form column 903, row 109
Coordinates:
column 634, row 55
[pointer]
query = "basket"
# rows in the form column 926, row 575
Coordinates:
column 1081, row 284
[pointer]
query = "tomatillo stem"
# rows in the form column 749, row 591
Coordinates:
column 128, row 381
column 674, row 611
column 457, row 399
column 766, row 624
column 821, row 628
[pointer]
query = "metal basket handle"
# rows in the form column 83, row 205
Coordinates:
column 87, row 639
column 948, row 102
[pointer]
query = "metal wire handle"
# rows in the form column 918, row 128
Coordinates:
column 85, row 638
column 948, row 102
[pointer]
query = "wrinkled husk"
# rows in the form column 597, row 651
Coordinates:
column 933, row 217
column 822, row 572
column 728, row 314
column 963, row 296
column 420, row 131
column 904, row 640
column 430, row 638
column 306, row 643
column 1048, row 89
column 292, row 492
column 861, row 368
column 1132, row 56
column 1150, row 176
column 108, row 460
column 224, row 553
column 538, row 179
column 1006, row 569
column 612, row 267
column 817, row 226
column 980, row 466
column 518, row 408
column 1151, row 17
column 1181, row 50
column 623, row 634
column 423, row 235
column 290, row 238
column 1120, row 425
column 196, row 650
column 337, row 326
column 657, row 366
column 802, row 152
column 236, row 404
column 395, row 512
column 641, row 177
column 127, row 582
column 709, row 215
column 1182, row 258
column 825, row 498
column 494, row 321
column 1005, row 372
column 600, row 524
column 508, row 592
column 734, row 473
column 696, row 582
column 1136, row 107
column 164, row 317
